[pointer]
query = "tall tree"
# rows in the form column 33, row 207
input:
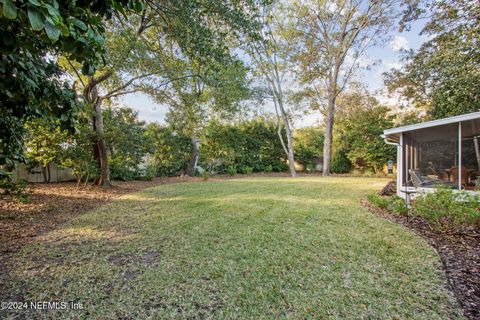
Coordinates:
column 270, row 62
column 206, row 90
column 328, row 42
column 442, row 77
column 360, row 122
column 131, row 65
column 138, row 51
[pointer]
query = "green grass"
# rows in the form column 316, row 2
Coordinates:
column 246, row 248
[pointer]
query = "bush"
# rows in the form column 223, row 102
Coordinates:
column 252, row 144
column 19, row 190
column 378, row 201
column 393, row 204
column 446, row 207
column 246, row 170
column 171, row 151
column 268, row 168
column 340, row 162
column 120, row 171
column 148, row 173
column 205, row 175
column 232, row 170
column 397, row 205
column 308, row 145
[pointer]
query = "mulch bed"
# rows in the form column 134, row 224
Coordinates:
column 459, row 252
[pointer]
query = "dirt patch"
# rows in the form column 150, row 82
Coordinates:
column 459, row 253
column 146, row 258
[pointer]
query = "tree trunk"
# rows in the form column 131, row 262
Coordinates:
column 44, row 172
column 290, row 150
column 291, row 159
column 104, row 180
column 49, row 173
column 193, row 162
column 327, row 145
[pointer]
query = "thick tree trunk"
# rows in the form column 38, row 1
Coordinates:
column 327, row 145
column 193, row 162
column 102, row 147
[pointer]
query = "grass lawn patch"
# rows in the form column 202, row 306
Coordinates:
column 242, row 248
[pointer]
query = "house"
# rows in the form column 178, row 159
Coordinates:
column 440, row 152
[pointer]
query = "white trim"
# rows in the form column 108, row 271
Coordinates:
column 459, row 156
column 434, row 123
column 400, row 165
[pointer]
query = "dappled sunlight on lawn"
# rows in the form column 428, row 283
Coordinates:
column 73, row 234
column 241, row 248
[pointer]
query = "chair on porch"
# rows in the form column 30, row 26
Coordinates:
column 421, row 181
column 454, row 173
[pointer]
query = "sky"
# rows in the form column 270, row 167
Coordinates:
column 388, row 56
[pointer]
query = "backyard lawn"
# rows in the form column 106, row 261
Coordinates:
column 242, row 248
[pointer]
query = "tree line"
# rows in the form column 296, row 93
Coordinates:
column 214, row 63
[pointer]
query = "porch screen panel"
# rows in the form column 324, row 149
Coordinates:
column 469, row 172
column 431, row 153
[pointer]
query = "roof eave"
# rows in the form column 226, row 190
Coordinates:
column 434, row 123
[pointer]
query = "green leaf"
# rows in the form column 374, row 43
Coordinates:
column 9, row 9
column 52, row 11
column 36, row 19
column 87, row 69
column 53, row 32
column 35, row 3
column 78, row 23
column 64, row 30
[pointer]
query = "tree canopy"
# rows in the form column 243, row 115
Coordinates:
column 442, row 77
column 33, row 33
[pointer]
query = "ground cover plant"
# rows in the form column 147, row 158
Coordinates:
column 239, row 248
column 449, row 221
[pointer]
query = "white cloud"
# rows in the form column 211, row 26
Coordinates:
column 392, row 65
column 398, row 43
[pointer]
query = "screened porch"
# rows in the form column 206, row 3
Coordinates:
column 443, row 152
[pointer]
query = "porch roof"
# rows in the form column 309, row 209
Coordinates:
column 436, row 127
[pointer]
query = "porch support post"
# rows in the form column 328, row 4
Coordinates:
column 459, row 156
column 400, row 165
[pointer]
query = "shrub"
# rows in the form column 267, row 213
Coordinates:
column 446, row 207
column 378, row 201
column 308, row 145
column 309, row 168
column 205, row 175
column 120, row 171
column 246, row 170
column 397, row 205
column 393, row 204
column 148, row 173
column 232, row 170
column 340, row 162
column 19, row 190
column 171, row 151
column 252, row 144
column 268, row 168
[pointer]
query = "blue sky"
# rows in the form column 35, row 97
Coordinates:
column 389, row 56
